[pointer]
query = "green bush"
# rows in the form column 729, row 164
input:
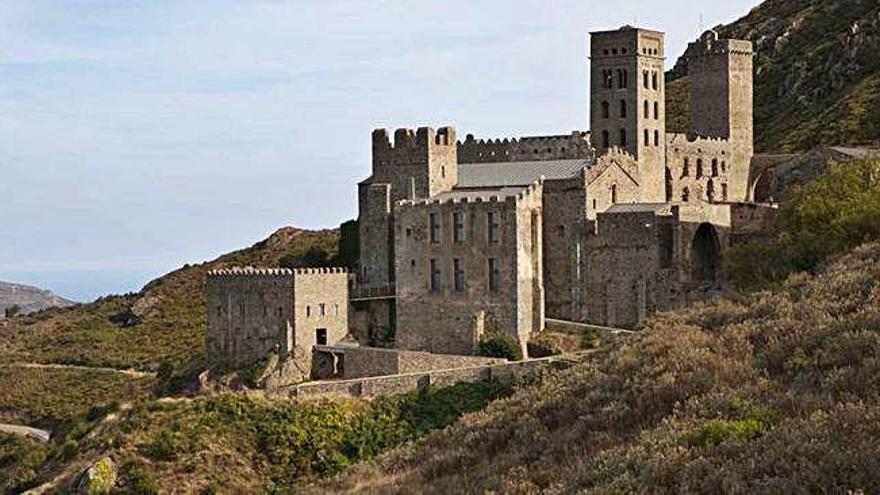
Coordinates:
column 499, row 345
column 143, row 481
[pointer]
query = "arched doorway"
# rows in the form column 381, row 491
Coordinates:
column 705, row 254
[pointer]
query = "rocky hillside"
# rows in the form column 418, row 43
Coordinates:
column 28, row 299
column 163, row 323
column 817, row 73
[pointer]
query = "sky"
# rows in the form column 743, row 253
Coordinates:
column 140, row 135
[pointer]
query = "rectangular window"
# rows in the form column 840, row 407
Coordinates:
column 494, row 275
column 321, row 336
column 435, row 276
column 494, row 226
column 458, row 231
column 458, row 270
column 435, row 228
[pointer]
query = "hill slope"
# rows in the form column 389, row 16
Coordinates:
column 164, row 322
column 776, row 395
column 817, row 73
column 28, row 299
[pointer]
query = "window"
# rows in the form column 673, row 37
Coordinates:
column 442, row 171
column 606, row 110
column 656, row 111
column 219, row 310
column 647, row 141
column 494, row 275
column 623, row 137
column 646, row 106
column 458, row 274
column 654, row 84
column 322, row 310
column 714, row 167
column 710, row 191
column 594, row 204
column 435, row 228
column 308, row 311
column 280, row 312
column 408, row 232
column 493, row 226
column 435, row 276
column 656, row 138
column 622, row 78
column 645, row 79
column 724, row 192
column 723, row 167
column 614, row 194
column 336, row 309
column 685, row 171
column 561, row 230
column 458, row 231
column 608, row 79
column 685, row 195
column 699, row 167
column 606, row 141
column 623, row 109
column 321, row 336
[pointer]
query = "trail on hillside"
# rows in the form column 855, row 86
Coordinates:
column 129, row 372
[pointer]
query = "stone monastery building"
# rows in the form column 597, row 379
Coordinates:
column 460, row 238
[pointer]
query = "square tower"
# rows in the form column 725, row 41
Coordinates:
column 628, row 101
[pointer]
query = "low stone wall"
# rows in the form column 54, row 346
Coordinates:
column 362, row 362
column 506, row 372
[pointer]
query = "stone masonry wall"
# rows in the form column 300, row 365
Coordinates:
column 321, row 305
column 565, row 147
column 362, row 362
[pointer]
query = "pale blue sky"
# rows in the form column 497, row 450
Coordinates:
column 138, row 135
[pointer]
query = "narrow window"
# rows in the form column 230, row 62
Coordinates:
column 308, row 311
column 714, row 167
column 645, row 78
column 435, row 228
column 685, row 171
column 656, row 138
column 606, row 141
column 606, row 110
column 280, row 312
column 647, row 141
column 710, row 191
column 561, row 230
column 458, row 272
column 685, row 195
column 321, row 336
column 336, row 309
column 614, row 194
column 458, row 231
column 654, row 80
column 724, row 192
column 494, row 275
column 656, row 111
column 623, row 137
column 322, row 310
column 699, row 167
column 609, row 79
column 646, row 109
column 723, row 167
column 219, row 310
column 435, row 276
column 623, row 109
column 594, row 204
column 493, row 226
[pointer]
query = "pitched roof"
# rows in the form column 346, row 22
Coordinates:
column 471, row 175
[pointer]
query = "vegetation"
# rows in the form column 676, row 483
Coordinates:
column 777, row 394
column 500, row 345
column 836, row 212
column 230, row 440
column 20, row 459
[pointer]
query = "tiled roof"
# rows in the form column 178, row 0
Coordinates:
column 637, row 207
column 501, row 174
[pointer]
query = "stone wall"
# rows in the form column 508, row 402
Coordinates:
column 320, row 306
column 362, row 362
column 450, row 321
column 564, row 147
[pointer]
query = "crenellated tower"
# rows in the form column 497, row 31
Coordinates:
column 628, row 101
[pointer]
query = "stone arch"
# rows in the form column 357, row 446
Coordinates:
column 705, row 254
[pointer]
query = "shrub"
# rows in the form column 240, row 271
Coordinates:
column 499, row 345
column 143, row 481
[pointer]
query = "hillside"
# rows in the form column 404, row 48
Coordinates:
column 774, row 395
column 817, row 73
column 28, row 299
column 163, row 323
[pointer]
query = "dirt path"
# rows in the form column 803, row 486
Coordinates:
column 26, row 431
column 129, row 372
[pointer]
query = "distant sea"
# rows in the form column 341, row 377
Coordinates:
column 83, row 285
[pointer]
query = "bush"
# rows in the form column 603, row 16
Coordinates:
column 499, row 345
column 143, row 481
column 543, row 348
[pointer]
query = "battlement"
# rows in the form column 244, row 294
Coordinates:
column 529, row 148
column 408, row 139
column 249, row 271
column 708, row 45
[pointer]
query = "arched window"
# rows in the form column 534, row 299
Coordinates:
column 654, row 84
column 647, row 140
column 714, row 167
column 646, row 109
column 605, row 140
column 656, row 138
column 623, row 137
column 614, row 194
column 608, row 78
column 623, row 109
column 606, row 110
column 656, row 111
column 645, row 79
column 685, row 195
column 685, row 171
column 699, row 167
